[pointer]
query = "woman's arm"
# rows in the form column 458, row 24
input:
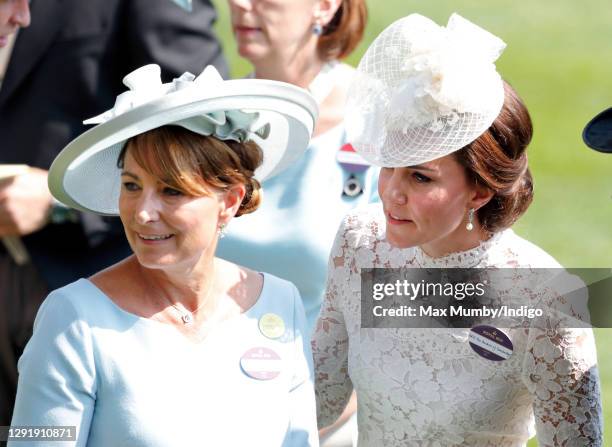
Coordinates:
column 330, row 343
column 561, row 373
column 303, row 423
column 57, row 380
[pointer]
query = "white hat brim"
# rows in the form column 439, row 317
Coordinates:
column 85, row 175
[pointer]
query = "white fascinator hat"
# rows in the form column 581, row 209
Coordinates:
column 422, row 91
column 278, row 116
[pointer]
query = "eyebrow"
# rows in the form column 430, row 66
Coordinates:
column 129, row 174
column 422, row 168
column 135, row 177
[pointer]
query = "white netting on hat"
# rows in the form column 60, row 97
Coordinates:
column 422, row 91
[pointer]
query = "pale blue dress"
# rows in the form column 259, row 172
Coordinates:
column 124, row 380
column 292, row 232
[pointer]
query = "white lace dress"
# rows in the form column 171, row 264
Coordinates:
column 427, row 387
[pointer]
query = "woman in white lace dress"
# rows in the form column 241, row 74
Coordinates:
column 450, row 137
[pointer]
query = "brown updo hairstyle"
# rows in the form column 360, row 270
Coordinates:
column 497, row 160
column 193, row 164
column 344, row 31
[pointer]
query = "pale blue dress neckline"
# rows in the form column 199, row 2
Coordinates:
column 249, row 313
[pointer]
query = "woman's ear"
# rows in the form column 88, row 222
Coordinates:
column 480, row 196
column 231, row 201
column 325, row 10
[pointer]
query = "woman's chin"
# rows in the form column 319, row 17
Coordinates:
column 252, row 52
column 156, row 262
column 400, row 240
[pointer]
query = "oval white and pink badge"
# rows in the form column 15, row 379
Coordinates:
column 261, row 363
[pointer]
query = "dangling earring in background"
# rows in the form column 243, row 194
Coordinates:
column 317, row 29
column 221, row 231
column 470, row 224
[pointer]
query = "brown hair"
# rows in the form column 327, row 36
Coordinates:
column 344, row 31
column 194, row 163
column 497, row 160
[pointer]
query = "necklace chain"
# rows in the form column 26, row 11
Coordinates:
column 187, row 315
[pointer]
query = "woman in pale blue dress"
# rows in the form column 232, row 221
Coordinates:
column 174, row 346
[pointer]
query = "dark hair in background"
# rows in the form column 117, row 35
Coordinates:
column 497, row 160
column 344, row 31
column 194, row 163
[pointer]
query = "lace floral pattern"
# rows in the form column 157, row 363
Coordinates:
column 426, row 386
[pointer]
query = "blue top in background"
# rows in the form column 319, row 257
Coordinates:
column 292, row 232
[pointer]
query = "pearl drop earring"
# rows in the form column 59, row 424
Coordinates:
column 470, row 224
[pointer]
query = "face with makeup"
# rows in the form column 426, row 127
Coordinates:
column 14, row 14
column 166, row 227
column 427, row 205
column 277, row 29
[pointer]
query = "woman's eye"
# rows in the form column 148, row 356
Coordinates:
column 421, row 178
column 130, row 186
column 172, row 192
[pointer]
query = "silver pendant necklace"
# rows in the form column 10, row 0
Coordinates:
column 187, row 315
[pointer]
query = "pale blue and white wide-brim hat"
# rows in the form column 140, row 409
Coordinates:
column 279, row 117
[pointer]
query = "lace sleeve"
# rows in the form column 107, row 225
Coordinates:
column 330, row 343
column 561, row 373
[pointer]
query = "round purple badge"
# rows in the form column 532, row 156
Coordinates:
column 490, row 343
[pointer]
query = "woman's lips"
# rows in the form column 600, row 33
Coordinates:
column 396, row 220
column 153, row 239
column 246, row 30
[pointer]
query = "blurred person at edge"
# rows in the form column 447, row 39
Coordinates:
column 597, row 133
column 302, row 42
column 63, row 68
column 14, row 14
column 451, row 137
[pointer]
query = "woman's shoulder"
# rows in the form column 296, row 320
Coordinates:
column 279, row 301
column 279, row 295
column 83, row 301
column 342, row 75
column 337, row 78
column 363, row 224
column 511, row 250
column 72, row 304
column 76, row 295
column 268, row 292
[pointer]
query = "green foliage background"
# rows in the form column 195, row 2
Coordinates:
column 559, row 58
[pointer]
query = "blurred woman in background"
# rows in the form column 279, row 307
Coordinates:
column 301, row 42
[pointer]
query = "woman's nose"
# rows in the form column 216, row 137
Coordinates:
column 395, row 191
column 246, row 5
column 147, row 209
column 21, row 13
